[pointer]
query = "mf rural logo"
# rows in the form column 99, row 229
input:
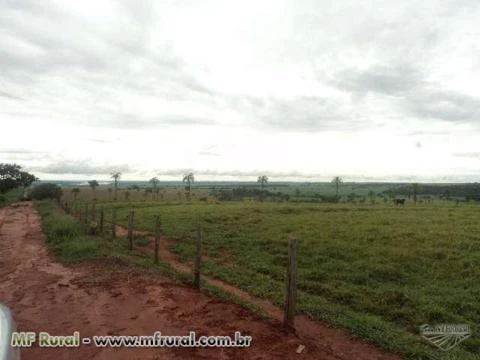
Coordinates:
column 445, row 336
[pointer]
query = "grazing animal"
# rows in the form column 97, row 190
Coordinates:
column 399, row 201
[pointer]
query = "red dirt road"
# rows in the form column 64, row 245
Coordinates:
column 108, row 298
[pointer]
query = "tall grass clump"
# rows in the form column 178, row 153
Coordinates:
column 65, row 235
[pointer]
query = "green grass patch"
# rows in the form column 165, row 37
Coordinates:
column 380, row 271
column 66, row 236
column 11, row 196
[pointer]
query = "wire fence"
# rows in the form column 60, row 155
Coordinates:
column 115, row 220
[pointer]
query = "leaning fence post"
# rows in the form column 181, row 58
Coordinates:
column 157, row 239
column 130, row 229
column 198, row 257
column 114, row 220
column 291, row 288
column 102, row 214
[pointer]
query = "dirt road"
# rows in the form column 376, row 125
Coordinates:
column 111, row 298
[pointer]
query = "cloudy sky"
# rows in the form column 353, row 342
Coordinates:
column 298, row 90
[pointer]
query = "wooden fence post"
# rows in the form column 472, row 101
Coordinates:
column 102, row 215
column 157, row 239
column 114, row 220
column 86, row 214
column 198, row 257
column 130, row 229
column 291, row 288
column 93, row 212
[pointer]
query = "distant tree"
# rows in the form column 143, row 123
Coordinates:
column 136, row 188
column 337, row 181
column 415, row 192
column 127, row 195
column 75, row 192
column 11, row 177
column 262, row 180
column 371, row 195
column 93, row 184
column 189, row 179
column 154, row 181
column 115, row 175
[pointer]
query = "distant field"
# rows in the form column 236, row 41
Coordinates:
column 377, row 269
column 175, row 190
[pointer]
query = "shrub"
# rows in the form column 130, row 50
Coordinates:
column 46, row 191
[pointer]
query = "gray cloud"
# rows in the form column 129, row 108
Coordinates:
column 470, row 155
column 82, row 167
column 444, row 105
column 386, row 80
column 10, row 96
column 300, row 113
column 418, row 97
column 17, row 151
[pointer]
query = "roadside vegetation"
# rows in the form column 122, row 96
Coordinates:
column 65, row 235
column 67, row 239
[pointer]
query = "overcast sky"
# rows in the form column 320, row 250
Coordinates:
column 297, row 90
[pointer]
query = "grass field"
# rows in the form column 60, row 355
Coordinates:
column 379, row 270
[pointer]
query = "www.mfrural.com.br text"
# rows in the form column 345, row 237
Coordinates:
column 44, row 339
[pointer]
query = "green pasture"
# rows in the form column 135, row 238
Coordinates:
column 378, row 270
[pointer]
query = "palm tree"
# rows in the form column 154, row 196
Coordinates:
column 75, row 192
column 337, row 181
column 155, row 182
column 189, row 179
column 115, row 175
column 262, row 180
column 93, row 184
